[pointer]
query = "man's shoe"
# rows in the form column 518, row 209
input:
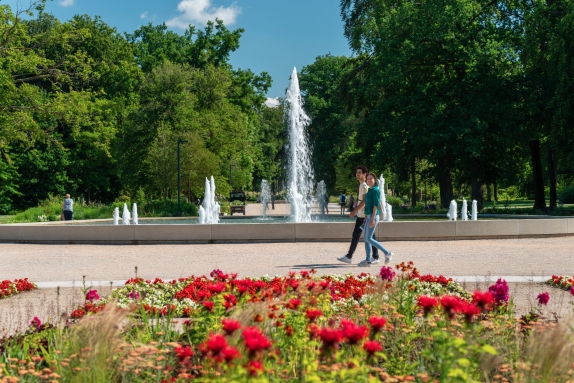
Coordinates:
column 375, row 261
column 344, row 259
column 364, row 263
column 388, row 258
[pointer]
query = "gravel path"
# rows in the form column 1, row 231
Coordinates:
column 528, row 257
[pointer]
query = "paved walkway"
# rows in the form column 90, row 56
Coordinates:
column 512, row 257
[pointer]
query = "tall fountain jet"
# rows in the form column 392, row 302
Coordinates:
column 300, row 178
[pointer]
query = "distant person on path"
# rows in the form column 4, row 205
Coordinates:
column 272, row 201
column 359, row 211
column 68, row 208
column 372, row 211
column 343, row 202
column 324, row 203
column 351, row 203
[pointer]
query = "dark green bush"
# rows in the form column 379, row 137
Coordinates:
column 566, row 195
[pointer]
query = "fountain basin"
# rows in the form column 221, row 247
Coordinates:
column 283, row 232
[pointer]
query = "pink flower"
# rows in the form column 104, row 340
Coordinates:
column 372, row 346
column 543, row 298
column 36, row 323
column 387, row 273
column 500, row 291
column 572, row 290
column 134, row 295
column 92, row 295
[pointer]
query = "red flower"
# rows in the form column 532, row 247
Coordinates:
column 482, row 299
column 313, row 314
column 254, row 367
column 230, row 325
column 78, row 313
column 451, row 305
column 183, row 352
column 330, row 336
column 230, row 301
column 543, row 298
column 230, row 353
column 324, row 284
column 294, row 284
column 470, row 311
column 294, row 303
column 217, row 287
column 216, row 343
column 92, row 295
column 377, row 323
column 353, row 332
column 372, row 346
column 208, row 305
column 255, row 340
column 427, row 303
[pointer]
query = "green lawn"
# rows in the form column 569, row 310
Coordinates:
column 5, row 218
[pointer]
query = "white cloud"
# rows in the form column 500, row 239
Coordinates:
column 143, row 15
column 200, row 12
column 67, row 3
column 272, row 102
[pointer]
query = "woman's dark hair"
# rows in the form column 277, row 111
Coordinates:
column 375, row 177
column 363, row 169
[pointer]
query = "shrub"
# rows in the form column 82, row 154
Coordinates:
column 566, row 194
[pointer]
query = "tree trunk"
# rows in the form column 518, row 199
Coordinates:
column 551, row 177
column 495, row 190
column 538, row 180
column 445, row 185
column 488, row 194
column 413, row 184
column 476, row 188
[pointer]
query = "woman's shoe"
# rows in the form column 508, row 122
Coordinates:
column 364, row 263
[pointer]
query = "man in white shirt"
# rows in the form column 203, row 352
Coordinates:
column 361, row 176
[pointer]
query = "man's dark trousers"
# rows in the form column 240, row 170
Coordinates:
column 355, row 241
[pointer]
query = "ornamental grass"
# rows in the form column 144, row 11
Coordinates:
column 296, row 328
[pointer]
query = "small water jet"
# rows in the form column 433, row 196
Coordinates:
column 265, row 196
column 126, row 217
column 474, row 210
column 452, row 211
column 116, row 216
column 135, row 214
column 300, row 176
column 209, row 209
column 464, row 211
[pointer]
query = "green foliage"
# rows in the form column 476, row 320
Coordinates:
column 567, row 194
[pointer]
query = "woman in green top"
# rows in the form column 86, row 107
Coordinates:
column 372, row 211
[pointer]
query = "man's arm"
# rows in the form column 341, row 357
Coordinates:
column 359, row 207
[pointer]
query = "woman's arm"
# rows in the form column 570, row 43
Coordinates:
column 373, row 214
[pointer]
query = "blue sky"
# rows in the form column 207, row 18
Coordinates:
column 279, row 35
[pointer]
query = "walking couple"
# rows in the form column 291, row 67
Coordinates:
column 367, row 211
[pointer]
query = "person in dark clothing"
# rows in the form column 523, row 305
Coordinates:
column 359, row 210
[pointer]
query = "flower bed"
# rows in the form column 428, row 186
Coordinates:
column 399, row 326
column 562, row 282
column 9, row 288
